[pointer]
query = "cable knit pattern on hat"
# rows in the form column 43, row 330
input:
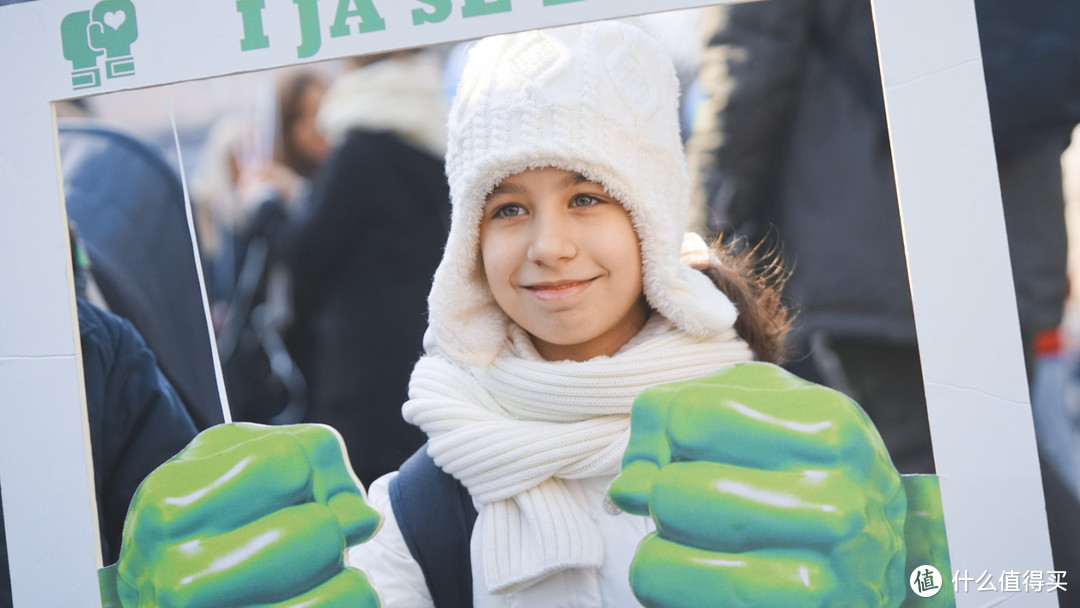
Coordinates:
column 512, row 432
column 600, row 99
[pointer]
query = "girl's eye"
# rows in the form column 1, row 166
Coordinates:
column 508, row 210
column 584, row 200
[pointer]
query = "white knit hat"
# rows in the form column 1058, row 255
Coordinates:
column 600, row 99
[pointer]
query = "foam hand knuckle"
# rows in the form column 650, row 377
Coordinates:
column 851, row 521
column 170, row 589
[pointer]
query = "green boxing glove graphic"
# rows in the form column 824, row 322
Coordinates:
column 248, row 515
column 766, row 491
column 113, row 29
column 77, row 50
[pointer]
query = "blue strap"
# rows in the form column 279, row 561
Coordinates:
column 436, row 517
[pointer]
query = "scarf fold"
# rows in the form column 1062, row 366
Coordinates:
column 402, row 95
column 512, row 432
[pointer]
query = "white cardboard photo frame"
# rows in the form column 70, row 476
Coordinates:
column 950, row 209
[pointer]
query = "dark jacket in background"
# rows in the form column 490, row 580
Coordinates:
column 794, row 138
column 362, row 257
column 137, row 422
column 136, row 419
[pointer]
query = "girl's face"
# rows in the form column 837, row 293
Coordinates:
column 562, row 260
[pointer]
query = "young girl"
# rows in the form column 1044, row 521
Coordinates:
column 566, row 289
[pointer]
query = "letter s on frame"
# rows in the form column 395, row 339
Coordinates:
column 441, row 10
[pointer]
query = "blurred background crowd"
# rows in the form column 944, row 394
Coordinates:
column 320, row 211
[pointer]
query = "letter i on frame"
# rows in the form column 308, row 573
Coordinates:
column 251, row 14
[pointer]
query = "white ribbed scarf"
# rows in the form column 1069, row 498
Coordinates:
column 514, row 430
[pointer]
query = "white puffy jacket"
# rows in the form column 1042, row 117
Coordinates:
column 392, row 570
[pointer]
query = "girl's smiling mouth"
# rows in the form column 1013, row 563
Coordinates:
column 558, row 290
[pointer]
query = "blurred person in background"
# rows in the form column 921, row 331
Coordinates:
column 256, row 170
column 217, row 206
column 364, row 248
column 1057, row 411
column 791, row 143
column 243, row 170
column 301, row 147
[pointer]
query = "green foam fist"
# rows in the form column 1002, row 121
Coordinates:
column 766, row 491
column 248, row 515
column 924, row 534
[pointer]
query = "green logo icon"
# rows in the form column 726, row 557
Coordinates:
column 107, row 29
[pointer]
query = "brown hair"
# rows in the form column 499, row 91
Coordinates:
column 291, row 91
column 752, row 280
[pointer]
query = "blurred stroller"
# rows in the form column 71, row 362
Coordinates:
column 264, row 383
column 127, row 205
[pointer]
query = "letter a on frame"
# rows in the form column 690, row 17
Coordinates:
column 370, row 20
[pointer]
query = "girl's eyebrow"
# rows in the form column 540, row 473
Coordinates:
column 572, row 179
column 504, row 188
column 576, row 178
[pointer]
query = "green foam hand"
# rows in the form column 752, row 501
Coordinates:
column 248, row 515
column 924, row 534
column 766, row 491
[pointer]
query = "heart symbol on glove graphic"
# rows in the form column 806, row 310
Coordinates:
column 114, row 19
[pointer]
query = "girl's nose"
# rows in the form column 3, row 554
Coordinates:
column 551, row 240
